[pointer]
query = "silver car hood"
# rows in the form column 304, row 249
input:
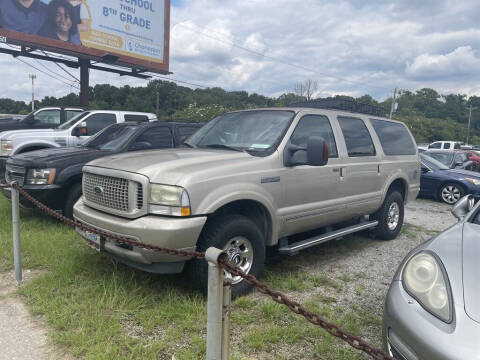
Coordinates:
column 172, row 166
column 471, row 270
column 37, row 133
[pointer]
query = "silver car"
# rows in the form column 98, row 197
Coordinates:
column 432, row 309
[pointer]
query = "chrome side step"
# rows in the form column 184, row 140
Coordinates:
column 292, row 249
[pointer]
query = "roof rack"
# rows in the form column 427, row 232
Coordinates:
column 345, row 105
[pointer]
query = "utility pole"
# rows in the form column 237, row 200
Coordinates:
column 158, row 102
column 470, row 108
column 33, row 77
column 392, row 108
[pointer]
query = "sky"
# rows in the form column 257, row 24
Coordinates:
column 352, row 47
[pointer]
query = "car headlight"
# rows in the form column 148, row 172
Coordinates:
column 168, row 200
column 40, row 176
column 424, row 279
column 5, row 147
column 473, row 181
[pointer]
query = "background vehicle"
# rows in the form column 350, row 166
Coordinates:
column 432, row 309
column 448, row 185
column 445, row 145
column 282, row 178
column 74, row 132
column 453, row 159
column 45, row 118
column 54, row 176
column 474, row 156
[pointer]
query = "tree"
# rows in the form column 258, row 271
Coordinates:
column 306, row 88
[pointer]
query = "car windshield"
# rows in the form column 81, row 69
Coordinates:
column 432, row 163
column 253, row 131
column 444, row 157
column 112, row 138
column 29, row 117
column 73, row 120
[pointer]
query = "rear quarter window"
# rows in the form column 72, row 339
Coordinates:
column 394, row 137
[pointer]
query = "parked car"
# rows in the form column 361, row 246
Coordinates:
column 453, row 159
column 45, row 118
column 422, row 147
column 432, row 309
column 284, row 178
column 74, row 132
column 445, row 184
column 445, row 145
column 54, row 176
column 474, row 156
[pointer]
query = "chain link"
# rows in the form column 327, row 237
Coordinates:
column 316, row 319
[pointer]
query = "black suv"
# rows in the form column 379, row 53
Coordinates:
column 54, row 176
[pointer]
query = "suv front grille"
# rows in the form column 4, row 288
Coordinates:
column 139, row 196
column 15, row 173
column 106, row 191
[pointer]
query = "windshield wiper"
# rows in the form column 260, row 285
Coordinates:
column 222, row 146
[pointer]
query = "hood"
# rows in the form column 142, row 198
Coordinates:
column 471, row 269
column 9, row 135
column 461, row 174
column 57, row 157
column 170, row 166
column 10, row 124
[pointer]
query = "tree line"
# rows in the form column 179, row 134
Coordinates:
column 430, row 115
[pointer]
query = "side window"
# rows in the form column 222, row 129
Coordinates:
column 186, row 131
column 136, row 118
column 457, row 146
column 435, row 145
column 48, row 117
column 446, row 145
column 71, row 113
column 313, row 125
column 394, row 137
column 158, row 137
column 357, row 138
column 97, row 122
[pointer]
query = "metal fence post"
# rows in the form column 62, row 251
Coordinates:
column 227, row 300
column 17, row 259
column 214, row 305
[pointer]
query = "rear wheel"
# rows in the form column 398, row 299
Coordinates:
column 243, row 243
column 450, row 193
column 73, row 195
column 390, row 216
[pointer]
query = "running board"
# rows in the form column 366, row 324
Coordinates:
column 292, row 249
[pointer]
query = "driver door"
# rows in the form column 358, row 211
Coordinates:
column 46, row 119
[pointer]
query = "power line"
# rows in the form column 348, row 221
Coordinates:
column 50, row 70
column 53, row 77
column 178, row 81
column 65, row 70
column 276, row 59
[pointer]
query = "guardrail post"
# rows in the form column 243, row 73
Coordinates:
column 17, row 259
column 214, row 305
column 226, row 320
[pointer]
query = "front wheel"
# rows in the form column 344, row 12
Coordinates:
column 244, row 245
column 390, row 217
column 451, row 193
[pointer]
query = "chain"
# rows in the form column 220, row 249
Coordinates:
column 316, row 319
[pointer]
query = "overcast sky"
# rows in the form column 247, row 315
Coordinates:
column 351, row 47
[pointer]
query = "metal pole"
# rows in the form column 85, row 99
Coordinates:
column 469, row 118
column 393, row 102
column 214, row 305
column 84, row 81
column 33, row 77
column 17, row 260
column 226, row 321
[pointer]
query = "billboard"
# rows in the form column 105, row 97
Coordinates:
column 135, row 32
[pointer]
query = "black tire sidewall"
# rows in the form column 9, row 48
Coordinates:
column 459, row 187
column 73, row 194
column 217, row 233
column 382, row 230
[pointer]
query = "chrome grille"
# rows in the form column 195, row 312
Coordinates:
column 107, row 191
column 139, row 196
column 15, row 173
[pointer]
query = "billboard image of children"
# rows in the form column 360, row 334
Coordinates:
column 60, row 23
column 27, row 16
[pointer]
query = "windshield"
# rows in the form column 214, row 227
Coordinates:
column 444, row 157
column 112, row 138
column 29, row 117
column 258, row 131
column 432, row 163
column 73, row 120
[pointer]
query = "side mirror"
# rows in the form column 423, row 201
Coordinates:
column 141, row 145
column 425, row 170
column 463, row 207
column 80, row 130
column 317, row 151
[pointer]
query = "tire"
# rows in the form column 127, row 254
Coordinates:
column 73, row 195
column 389, row 217
column 450, row 193
column 229, row 231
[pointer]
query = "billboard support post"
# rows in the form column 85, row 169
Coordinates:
column 84, row 80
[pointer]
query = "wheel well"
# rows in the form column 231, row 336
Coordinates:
column 251, row 209
column 33, row 148
column 399, row 185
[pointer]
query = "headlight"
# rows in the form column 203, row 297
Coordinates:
column 169, row 200
column 473, row 181
column 423, row 278
column 6, row 147
column 40, row 176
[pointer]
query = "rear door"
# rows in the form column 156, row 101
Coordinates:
column 47, row 119
column 361, row 168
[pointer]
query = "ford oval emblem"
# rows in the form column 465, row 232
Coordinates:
column 98, row 190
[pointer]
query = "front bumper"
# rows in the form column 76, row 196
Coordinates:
column 50, row 195
column 174, row 233
column 413, row 333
